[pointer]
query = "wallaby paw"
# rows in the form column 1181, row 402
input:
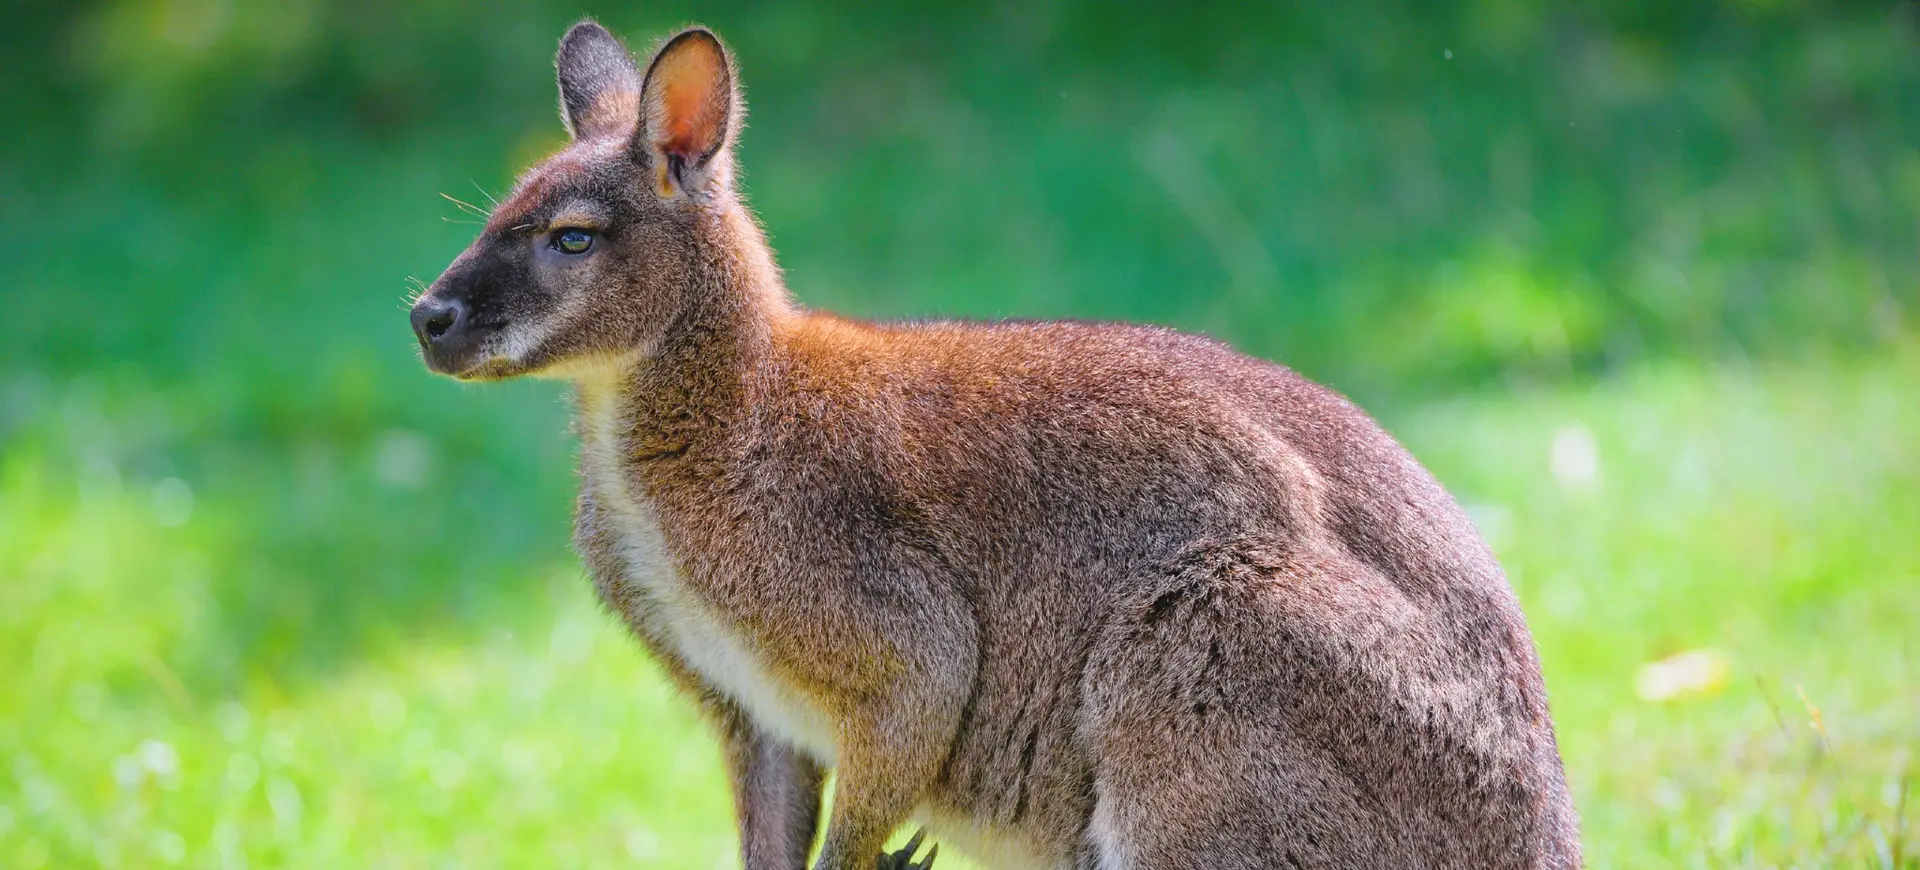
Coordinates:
column 903, row 859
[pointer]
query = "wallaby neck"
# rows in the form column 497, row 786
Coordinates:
column 697, row 380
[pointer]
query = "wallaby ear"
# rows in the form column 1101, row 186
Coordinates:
column 599, row 85
column 688, row 108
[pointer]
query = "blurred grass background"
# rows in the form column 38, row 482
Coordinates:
column 1636, row 279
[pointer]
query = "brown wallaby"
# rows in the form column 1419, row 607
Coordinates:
column 1068, row 595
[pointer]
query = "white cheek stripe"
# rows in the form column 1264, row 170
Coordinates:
column 519, row 343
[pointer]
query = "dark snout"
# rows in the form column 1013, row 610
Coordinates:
column 437, row 319
column 449, row 339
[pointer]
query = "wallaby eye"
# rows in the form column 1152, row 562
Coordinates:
column 572, row 241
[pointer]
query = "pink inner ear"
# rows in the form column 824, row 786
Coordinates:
column 693, row 91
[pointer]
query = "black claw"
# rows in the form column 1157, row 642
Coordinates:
column 903, row 859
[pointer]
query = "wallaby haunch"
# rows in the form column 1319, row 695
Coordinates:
column 1067, row 595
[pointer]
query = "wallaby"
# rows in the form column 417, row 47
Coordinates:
column 1068, row 595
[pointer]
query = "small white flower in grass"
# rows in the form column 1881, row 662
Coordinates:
column 158, row 757
column 172, row 503
column 1575, row 458
column 1692, row 672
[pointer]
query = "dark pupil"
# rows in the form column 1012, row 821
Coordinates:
column 574, row 241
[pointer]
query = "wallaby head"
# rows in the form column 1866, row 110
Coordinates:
column 598, row 250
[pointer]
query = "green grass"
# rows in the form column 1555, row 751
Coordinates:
column 181, row 689
column 269, row 592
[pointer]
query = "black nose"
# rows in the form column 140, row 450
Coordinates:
column 434, row 319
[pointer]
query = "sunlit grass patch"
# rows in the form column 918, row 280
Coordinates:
column 1762, row 520
column 408, row 703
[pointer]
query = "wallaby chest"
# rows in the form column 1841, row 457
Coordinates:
column 665, row 603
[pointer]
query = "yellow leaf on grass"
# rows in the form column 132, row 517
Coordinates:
column 1694, row 672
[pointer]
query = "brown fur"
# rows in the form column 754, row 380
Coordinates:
column 1075, row 595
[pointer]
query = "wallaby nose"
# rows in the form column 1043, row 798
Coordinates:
column 434, row 319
